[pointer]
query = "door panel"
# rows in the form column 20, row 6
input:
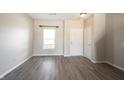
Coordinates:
column 76, row 42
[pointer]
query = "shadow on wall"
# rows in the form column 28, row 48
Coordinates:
column 100, row 48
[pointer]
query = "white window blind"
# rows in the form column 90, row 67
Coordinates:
column 49, row 38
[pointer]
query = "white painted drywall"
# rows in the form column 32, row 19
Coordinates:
column 98, row 36
column 115, row 39
column 88, row 35
column 38, row 38
column 63, row 35
column 15, row 40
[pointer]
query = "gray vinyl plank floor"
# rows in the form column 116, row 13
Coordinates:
column 64, row 68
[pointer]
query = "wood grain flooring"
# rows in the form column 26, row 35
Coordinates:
column 64, row 68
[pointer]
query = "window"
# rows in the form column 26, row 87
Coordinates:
column 49, row 38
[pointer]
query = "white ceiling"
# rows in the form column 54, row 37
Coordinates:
column 51, row 16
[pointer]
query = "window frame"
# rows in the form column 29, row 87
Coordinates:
column 43, row 38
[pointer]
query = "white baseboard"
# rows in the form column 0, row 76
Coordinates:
column 47, row 54
column 72, row 55
column 98, row 61
column 115, row 65
column 2, row 75
column 118, row 67
column 53, row 55
column 66, row 55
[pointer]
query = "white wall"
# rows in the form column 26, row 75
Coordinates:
column 63, row 35
column 98, row 36
column 88, row 36
column 37, row 50
column 108, row 39
column 115, row 39
column 15, row 40
column 70, row 24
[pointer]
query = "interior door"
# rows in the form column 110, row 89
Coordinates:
column 76, row 42
column 88, row 38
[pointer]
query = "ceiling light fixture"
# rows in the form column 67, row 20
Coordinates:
column 83, row 14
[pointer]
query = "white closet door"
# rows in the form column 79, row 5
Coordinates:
column 76, row 42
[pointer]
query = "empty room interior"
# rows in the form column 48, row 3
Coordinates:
column 61, row 46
